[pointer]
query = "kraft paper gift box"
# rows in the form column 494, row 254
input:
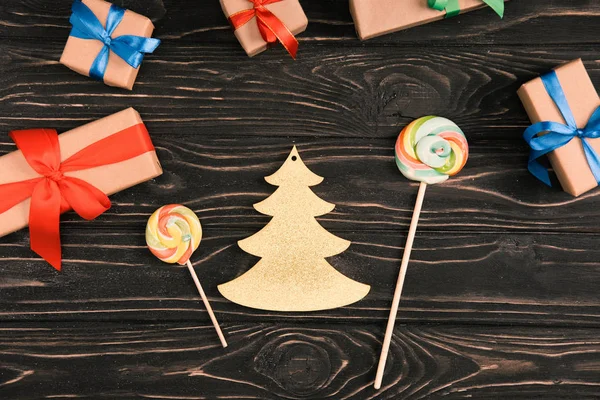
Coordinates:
column 109, row 179
column 569, row 162
column 287, row 12
column 379, row 17
column 80, row 54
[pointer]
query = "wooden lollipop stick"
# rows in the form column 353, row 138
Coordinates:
column 207, row 304
column 396, row 301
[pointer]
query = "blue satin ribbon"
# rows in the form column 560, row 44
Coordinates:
column 558, row 134
column 130, row 48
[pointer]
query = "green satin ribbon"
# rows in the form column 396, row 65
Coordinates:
column 452, row 7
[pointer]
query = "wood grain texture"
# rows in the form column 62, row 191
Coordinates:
column 281, row 361
column 501, row 298
column 368, row 92
column 217, row 94
column 471, row 278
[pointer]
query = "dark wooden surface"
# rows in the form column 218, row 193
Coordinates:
column 502, row 294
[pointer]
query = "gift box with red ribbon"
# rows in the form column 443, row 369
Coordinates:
column 379, row 17
column 52, row 174
column 260, row 23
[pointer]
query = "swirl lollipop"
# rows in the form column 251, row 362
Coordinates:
column 429, row 150
column 173, row 233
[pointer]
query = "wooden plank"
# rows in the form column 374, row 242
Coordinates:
column 526, row 22
column 109, row 275
column 330, row 92
column 275, row 361
column 222, row 179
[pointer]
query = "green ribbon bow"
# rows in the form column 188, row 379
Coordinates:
column 452, row 7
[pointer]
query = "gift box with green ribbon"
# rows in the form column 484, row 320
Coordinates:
column 379, row 17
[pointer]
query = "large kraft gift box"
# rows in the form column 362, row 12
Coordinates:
column 379, row 17
column 569, row 161
column 79, row 54
column 289, row 12
column 109, row 179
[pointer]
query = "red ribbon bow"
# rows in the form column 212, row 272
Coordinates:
column 271, row 28
column 54, row 193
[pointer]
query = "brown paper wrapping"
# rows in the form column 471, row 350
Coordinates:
column 380, row 17
column 290, row 12
column 569, row 162
column 79, row 54
column 109, row 178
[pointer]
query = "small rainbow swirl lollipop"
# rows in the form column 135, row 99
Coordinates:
column 429, row 150
column 173, row 233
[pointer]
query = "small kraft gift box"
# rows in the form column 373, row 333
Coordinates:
column 51, row 174
column 564, row 107
column 379, row 17
column 260, row 23
column 107, row 42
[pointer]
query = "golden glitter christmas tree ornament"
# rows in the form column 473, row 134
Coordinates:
column 293, row 274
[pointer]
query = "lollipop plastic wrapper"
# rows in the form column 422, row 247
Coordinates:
column 173, row 234
column 429, row 150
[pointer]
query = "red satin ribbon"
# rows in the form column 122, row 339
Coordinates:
column 54, row 193
column 271, row 28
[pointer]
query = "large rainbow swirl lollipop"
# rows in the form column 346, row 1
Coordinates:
column 429, row 150
column 173, row 233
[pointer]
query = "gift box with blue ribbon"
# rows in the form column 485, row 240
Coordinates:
column 107, row 42
column 564, row 107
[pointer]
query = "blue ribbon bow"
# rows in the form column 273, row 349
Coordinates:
column 129, row 47
column 558, row 134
